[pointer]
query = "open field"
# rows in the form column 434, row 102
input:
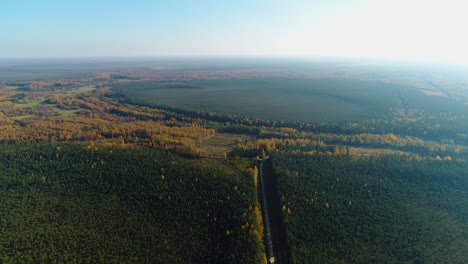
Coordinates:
column 22, row 117
column 220, row 143
column 84, row 89
column 32, row 104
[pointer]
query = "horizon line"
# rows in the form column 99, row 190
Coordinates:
column 247, row 56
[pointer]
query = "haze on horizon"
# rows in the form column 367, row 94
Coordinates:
column 431, row 30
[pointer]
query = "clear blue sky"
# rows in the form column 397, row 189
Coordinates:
column 362, row 28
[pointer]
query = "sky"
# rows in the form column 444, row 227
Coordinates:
column 425, row 30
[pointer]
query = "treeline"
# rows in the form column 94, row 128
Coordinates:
column 427, row 134
column 71, row 203
column 378, row 141
column 442, row 127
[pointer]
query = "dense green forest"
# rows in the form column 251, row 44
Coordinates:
column 292, row 99
column 373, row 209
column 138, row 166
column 69, row 203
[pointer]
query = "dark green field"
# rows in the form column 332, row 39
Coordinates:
column 290, row 99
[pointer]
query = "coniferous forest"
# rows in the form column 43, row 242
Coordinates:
column 384, row 209
column 69, row 203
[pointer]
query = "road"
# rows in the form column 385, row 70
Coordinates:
column 274, row 233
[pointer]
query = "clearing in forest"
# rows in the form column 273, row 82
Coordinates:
column 220, row 143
